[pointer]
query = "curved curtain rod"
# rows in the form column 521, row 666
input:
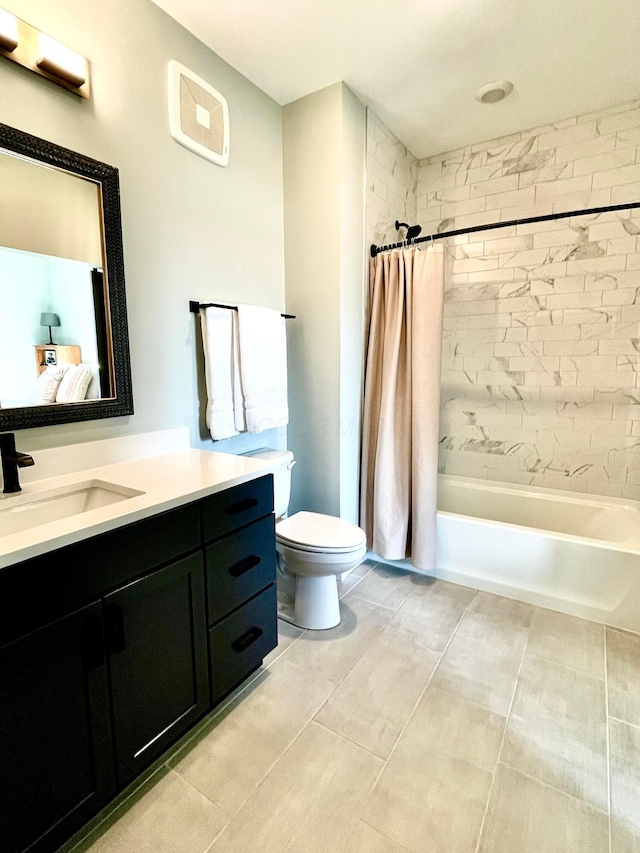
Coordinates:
column 375, row 250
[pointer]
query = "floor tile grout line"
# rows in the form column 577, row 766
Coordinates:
column 440, row 656
column 338, row 684
column 357, row 661
column 575, row 616
column 207, row 849
column 112, row 811
column 504, row 737
column 374, row 755
column 265, row 777
column 345, row 737
column 388, row 838
column 360, row 578
column 212, row 715
column 372, row 639
column 277, row 761
column 565, row 666
column 419, row 699
column 624, row 722
column 164, row 766
column 553, row 788
column 198, row 791
column 350, row 590
column 369, row 601
column 232, row 815
column 606, row 710
column 284, row 651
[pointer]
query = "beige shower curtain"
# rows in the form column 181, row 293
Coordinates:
column 402, row 404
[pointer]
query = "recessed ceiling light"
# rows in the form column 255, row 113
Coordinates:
column 493, row 92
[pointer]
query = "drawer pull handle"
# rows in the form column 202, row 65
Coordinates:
column 245, row 565
column 241, row 506
column 243, row 642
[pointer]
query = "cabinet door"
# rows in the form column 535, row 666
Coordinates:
column 156, row 640
column 55, row 732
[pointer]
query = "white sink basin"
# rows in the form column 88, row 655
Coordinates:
column 23, row 512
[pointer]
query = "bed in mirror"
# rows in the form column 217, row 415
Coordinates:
column 64, row 349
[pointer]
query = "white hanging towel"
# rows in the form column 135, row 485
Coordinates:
column 263, row 367
column 238, row 396
column 221, row 368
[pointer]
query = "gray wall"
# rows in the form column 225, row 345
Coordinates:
column 312, row 231
column 352, row 268
column 192, row 230
column 324, row 149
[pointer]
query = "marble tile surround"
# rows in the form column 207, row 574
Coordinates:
column 541, row 350
column 392, row 182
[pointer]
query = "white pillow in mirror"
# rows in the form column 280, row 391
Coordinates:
column 73, row 387
column 47, row 385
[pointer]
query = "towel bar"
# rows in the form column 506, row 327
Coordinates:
column 195, row 307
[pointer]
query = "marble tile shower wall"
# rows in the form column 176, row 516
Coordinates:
column 541, row 352
column 392, row 179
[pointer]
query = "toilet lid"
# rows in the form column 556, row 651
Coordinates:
column 321, row 532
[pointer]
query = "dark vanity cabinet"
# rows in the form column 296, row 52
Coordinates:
column 112, row 648
column 157, row 650
column 239, row 529
column 55, row 732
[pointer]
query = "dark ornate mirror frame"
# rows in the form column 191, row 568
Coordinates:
column 107, row 176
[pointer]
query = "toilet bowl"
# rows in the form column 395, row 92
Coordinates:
column 313, row 549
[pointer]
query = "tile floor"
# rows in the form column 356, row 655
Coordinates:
column 433, row 719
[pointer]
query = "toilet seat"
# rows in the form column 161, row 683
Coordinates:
column 314, row 532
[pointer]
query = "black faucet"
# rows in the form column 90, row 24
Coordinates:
column 11, row 461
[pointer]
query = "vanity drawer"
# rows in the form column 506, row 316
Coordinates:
column 240, row 642
column 233, row 508
column 54, row 584
column 239, row 566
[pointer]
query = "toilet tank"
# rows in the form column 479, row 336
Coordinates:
column 282, row 462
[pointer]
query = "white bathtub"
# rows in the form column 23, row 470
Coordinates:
column 575, row 553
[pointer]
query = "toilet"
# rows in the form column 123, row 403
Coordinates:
column 313, row 549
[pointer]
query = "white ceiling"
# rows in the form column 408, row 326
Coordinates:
column 418, row 63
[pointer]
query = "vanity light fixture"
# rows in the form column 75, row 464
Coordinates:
column 8, row 31
column 61, row 61
column 47, row 57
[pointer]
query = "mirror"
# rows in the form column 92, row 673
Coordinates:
column 64, row 347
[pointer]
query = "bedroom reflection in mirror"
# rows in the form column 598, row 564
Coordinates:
column 52, row 282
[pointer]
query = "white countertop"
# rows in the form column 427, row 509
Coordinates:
column 167, row 481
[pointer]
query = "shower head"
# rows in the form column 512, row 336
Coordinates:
column 412, row 230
